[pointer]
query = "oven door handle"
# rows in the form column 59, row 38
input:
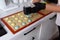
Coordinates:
column 29, row 31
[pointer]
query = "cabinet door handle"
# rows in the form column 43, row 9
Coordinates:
column 33, row 38
column 29, row 31
column 52, row 17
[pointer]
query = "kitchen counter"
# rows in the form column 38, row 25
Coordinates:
column 10, row 35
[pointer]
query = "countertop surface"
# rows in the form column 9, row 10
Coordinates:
column 9, row 35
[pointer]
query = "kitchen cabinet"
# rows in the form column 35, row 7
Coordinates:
column 48, row 29
column 31, row 34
